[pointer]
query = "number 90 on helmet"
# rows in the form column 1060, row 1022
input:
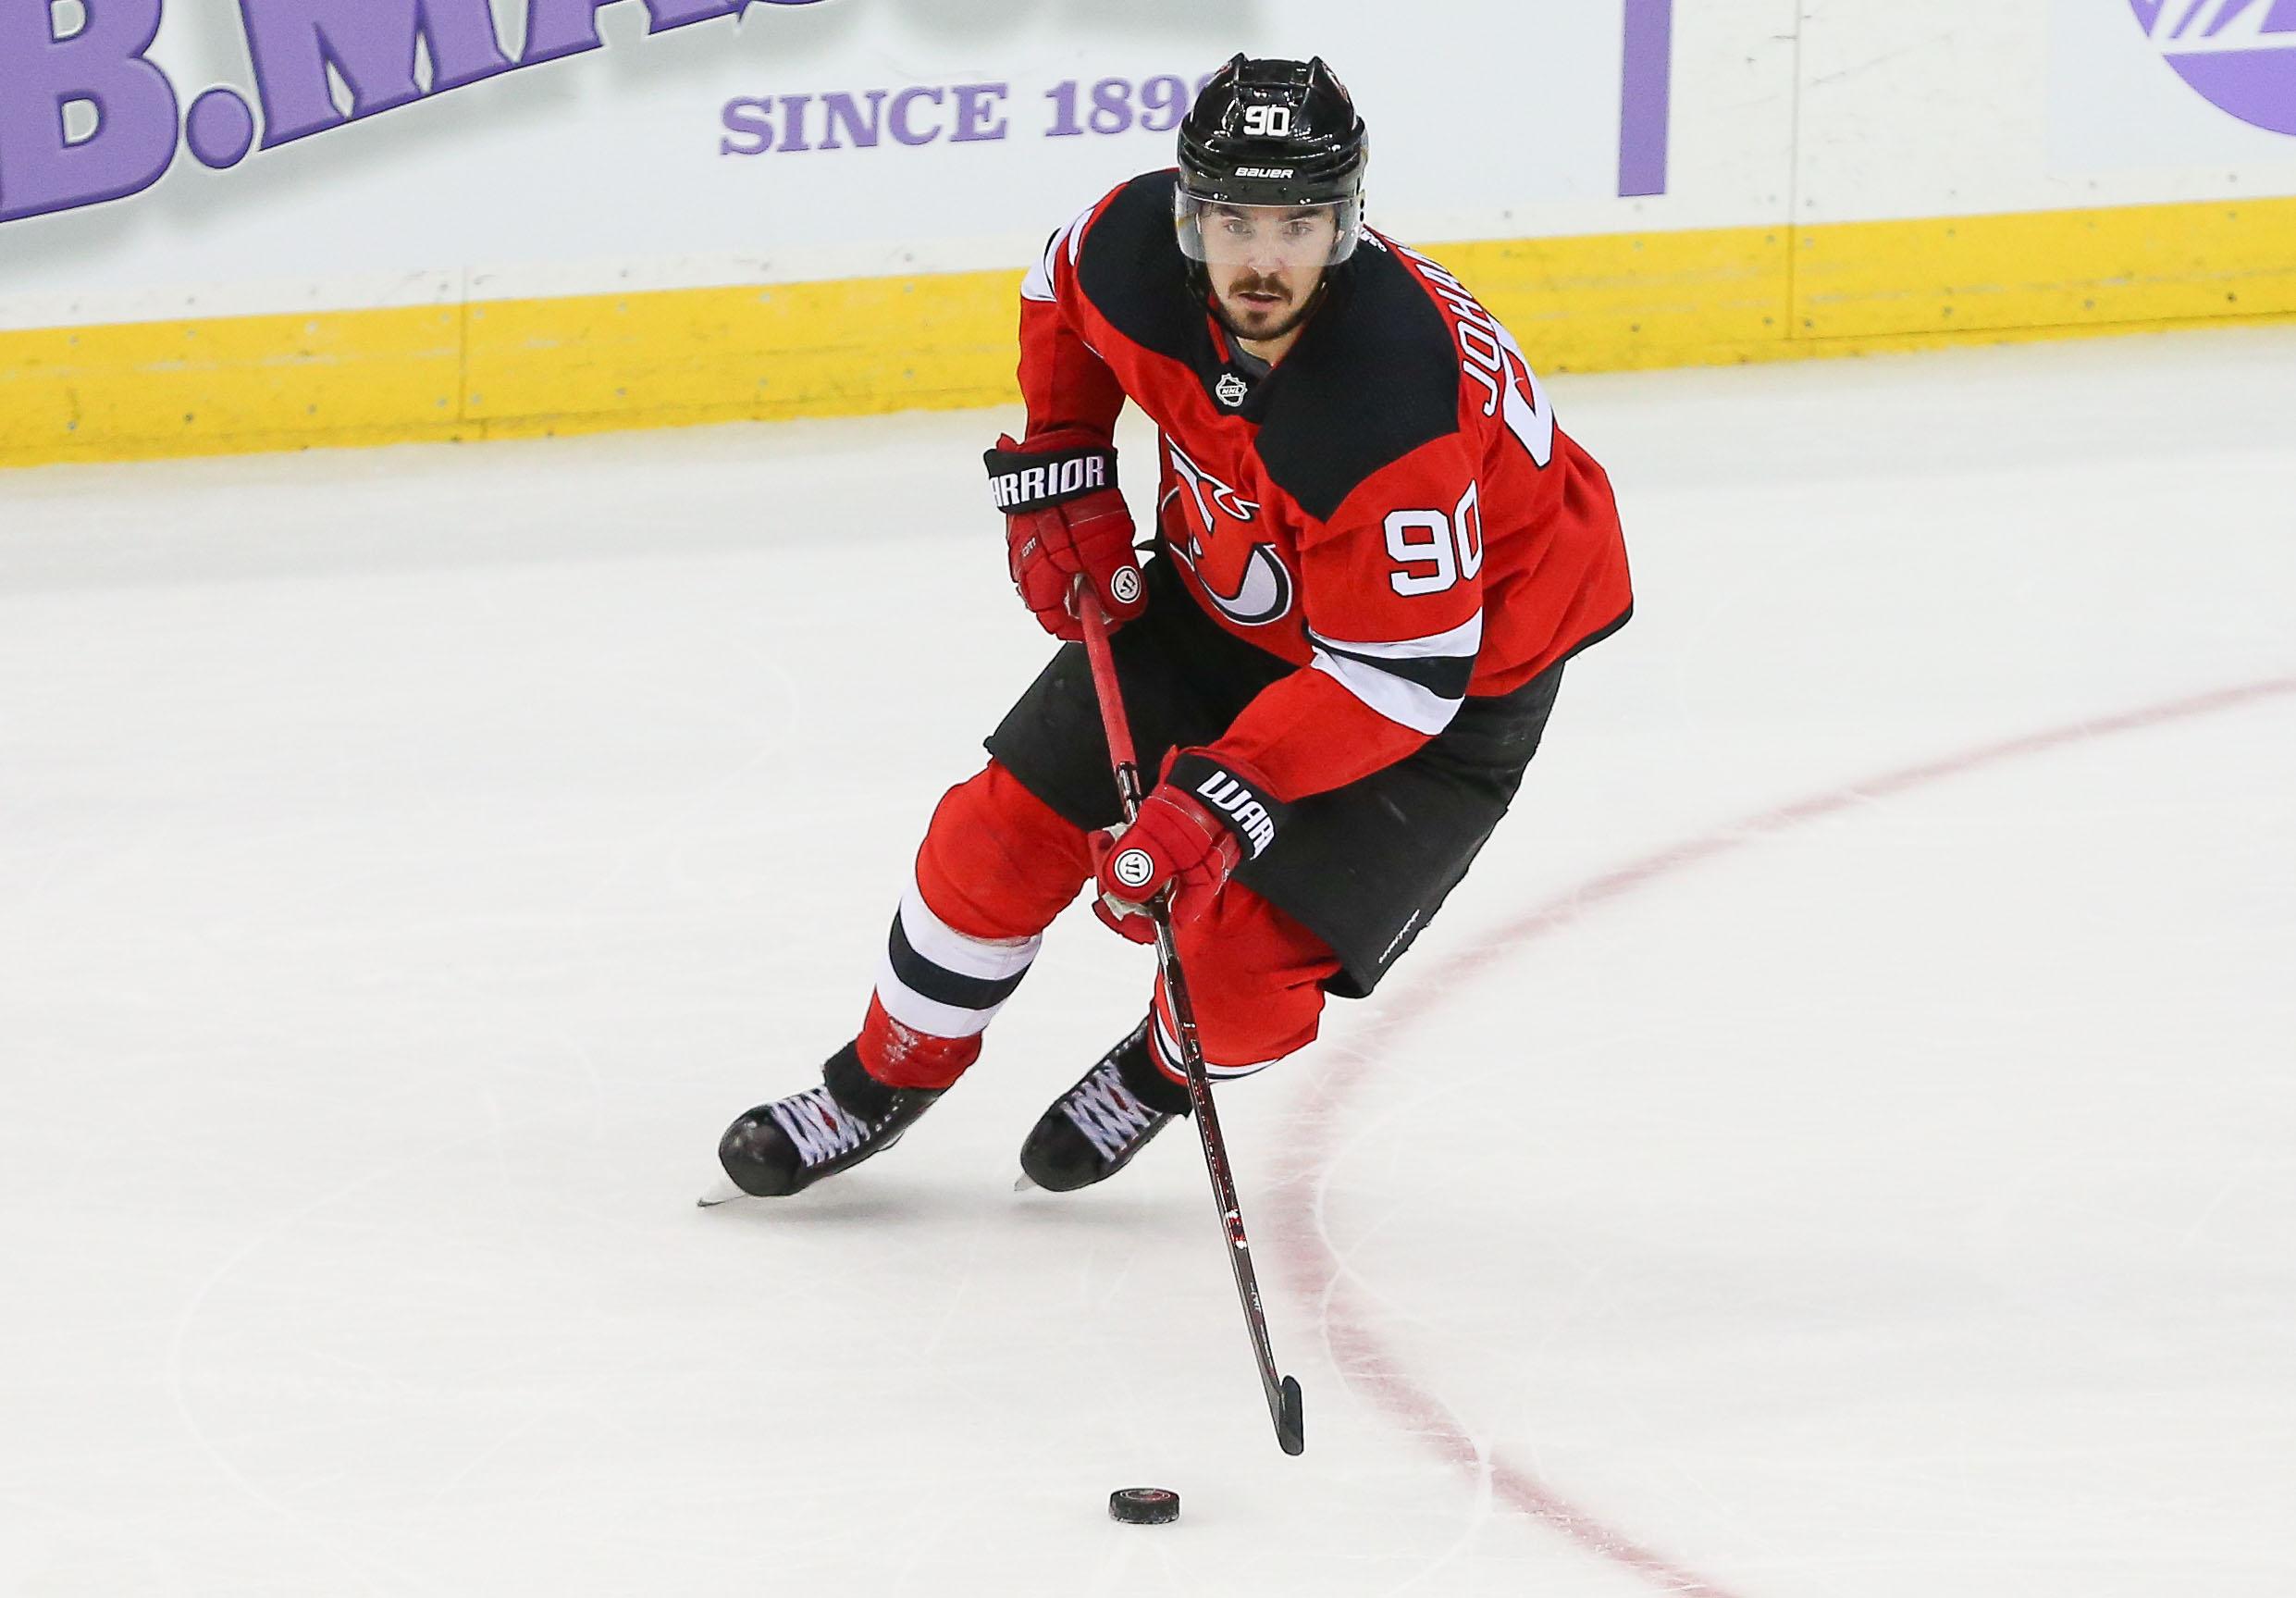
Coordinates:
column 1270, row 150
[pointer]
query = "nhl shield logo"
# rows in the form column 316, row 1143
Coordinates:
column 1232, row 390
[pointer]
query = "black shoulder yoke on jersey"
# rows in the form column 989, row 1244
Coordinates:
column 1373, row 376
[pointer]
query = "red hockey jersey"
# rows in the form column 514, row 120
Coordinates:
column 1391, row 509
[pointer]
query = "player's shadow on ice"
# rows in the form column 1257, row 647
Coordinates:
column 1100, row 1212
column 845, row 1202
column 870, row 1199
column 894, row 1203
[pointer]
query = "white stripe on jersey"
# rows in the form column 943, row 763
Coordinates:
column 1393, row 695
column 1038, row 285
column 1465, row 639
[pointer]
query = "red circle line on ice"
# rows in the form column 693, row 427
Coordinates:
column 1317, row 1277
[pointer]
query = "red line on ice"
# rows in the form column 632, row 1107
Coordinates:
column 1314, row 1273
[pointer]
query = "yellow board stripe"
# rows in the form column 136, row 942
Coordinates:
column 789, row 350
column 584, row 362
column 2046, row 269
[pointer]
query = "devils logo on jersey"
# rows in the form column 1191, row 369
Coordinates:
column 1240, row 574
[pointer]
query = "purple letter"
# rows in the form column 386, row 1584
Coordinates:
column 372, row 43
column 556, row 28
column 102, row 65
column 793, row 123
column 750, row 119
column 901, row 103
column 1645, row 86
column 843, row 109
column 976, row 103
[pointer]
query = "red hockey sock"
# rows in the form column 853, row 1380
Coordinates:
column 1255, row 977
column 996, row 866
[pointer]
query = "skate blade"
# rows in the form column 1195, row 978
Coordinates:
column 724, row 1192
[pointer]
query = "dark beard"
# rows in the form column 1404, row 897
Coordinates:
column 1307, row 308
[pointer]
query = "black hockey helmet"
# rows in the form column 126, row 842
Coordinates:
column 1273, row 133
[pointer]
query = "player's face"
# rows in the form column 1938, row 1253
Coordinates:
column 1265, row 262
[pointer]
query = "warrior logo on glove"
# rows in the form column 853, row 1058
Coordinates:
column 1202, row 820
column 1055, row 482
column 1133, row 868
column 1064, row 519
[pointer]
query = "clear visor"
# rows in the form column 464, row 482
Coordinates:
column 1220, row 234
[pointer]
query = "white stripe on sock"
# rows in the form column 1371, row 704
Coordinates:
column 991, row 961
column 1168, row 1056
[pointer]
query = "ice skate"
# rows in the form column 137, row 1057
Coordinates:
column 787, row 1147
column 1093, row 1130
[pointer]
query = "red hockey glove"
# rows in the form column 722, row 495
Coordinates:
column 1203, row 820
column 1065, row 519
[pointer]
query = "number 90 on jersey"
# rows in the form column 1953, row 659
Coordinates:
column 1434, row 551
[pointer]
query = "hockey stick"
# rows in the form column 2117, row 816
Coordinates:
column 1283, row 1391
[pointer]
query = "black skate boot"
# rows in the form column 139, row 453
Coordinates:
column 788, row 1145
column 1092, row 1132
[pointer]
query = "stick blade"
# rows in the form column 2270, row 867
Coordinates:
column 1291, row 1425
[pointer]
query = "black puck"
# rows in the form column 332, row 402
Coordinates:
column 1143, row 1506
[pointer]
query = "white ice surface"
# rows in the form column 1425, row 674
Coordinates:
column 410, row 861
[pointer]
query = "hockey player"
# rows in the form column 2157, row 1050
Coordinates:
column 1373, row 550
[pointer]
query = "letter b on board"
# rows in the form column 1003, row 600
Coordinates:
column 102, row 67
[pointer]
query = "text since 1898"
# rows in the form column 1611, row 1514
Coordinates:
column 953, row 113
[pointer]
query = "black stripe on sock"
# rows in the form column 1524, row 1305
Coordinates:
column 940, row 985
